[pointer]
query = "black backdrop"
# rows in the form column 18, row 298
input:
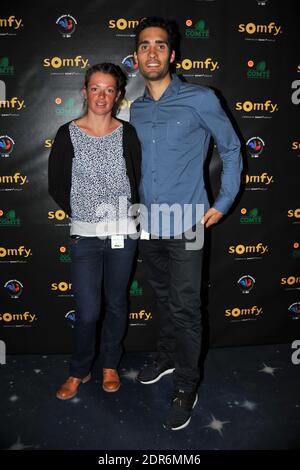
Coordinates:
column 246, row 51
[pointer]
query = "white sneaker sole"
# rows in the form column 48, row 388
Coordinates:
column 189, row 420
column 165, row 372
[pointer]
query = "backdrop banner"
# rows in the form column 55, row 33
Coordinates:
column 246, row 51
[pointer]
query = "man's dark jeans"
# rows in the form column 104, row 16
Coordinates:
column 175, row 276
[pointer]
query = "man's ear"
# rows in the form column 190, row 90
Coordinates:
column 135, row 57
column 83, row 91
column 172, row 57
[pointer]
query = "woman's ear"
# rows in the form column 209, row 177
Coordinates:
column 84, row 93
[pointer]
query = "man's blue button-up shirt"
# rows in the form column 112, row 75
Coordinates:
column 175, row 132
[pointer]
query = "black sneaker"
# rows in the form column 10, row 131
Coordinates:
column 179, row 415
column 154, row 372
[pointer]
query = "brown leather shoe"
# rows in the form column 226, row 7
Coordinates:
column 111, row 380
column 69, row 389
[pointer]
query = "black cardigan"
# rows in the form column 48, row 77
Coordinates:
column 60, row 165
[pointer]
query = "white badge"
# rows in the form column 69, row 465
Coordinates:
column 117, row 241
column 144, row 235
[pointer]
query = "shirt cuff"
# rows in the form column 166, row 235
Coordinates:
column 223, row 204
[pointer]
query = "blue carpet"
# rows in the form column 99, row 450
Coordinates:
column 249, row 399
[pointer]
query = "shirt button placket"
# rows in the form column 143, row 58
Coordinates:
column 155, row 156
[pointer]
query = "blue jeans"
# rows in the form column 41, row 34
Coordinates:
column 97, row 268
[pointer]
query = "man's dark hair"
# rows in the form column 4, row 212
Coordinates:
column 169, row 26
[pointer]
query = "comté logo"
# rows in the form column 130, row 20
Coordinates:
column 258, row 70
column 296, row 250
column 65, row 107
column 196, row 30
column 9, row 218
column 135, row 289
column 64, row 256
column 250, row 216
column 5, row 67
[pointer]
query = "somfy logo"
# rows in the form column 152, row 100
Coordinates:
column 249, row 106
column 16, row 179
column 11, row 22
column 58, row 62
column 14, row 103
column 251, row 28
column 58, row 215
column 2, row 352
column 16, row 252
column 249, row 312
column 203, row 64
column 122, row 24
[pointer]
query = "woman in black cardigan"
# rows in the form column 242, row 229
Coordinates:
column 94, row 173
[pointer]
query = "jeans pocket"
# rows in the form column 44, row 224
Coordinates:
column 74, row 239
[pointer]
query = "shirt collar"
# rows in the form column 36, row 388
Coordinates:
column 172, row 89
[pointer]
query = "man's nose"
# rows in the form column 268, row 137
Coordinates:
column 152, row 52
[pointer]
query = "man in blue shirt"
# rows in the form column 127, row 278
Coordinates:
column 175, row 121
